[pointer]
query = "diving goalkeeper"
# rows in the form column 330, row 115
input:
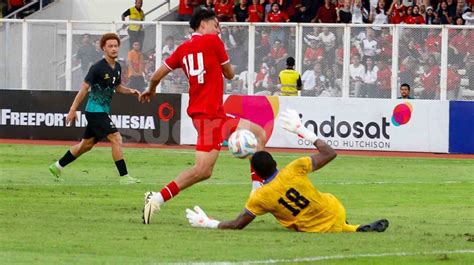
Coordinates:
column 289, row 195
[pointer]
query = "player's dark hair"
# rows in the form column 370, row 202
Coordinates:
column 201, row 14
column 263, row 164
column 406, row 85
column 290, row 61
column 109, row 36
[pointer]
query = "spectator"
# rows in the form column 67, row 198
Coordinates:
column 136, row 67
column 405, row 91
column 262, row 45
column 277, row 53
column 314, row 35
column 99, row 54
column 343, row 13
column 150, row 60
column 415, row 17
column 459, row 21
column 356, row 73
column 395, row 12
column 185, row 9
column 408, row 3
column 208, row 4
column 224, row 10
column 371, row 4
column 290, row 79
column 241, row 11
column 468, row 17
column 2, row 10
column 326, row 13
column 243, row 80
column 409, row 70
column 422, row 9
column 228, row 39
column 433, row 41
column 86, row 54
column 14, row 5
column 312, row 6
column 291, row 7
column 408, row 12
column 469, row 60
column 360, row 15
column 332, row 83
column 277, row 16
column 260, row 78
column 167, row 81
column 369, row 79
column 135, row 31
column 170, row 45
column 443, row 14
column 431, row 17
column 313, row 53
column 267, row 4
column 384, row 79
column 454, row 82
column 385, row 43
column 239, row 52
column 459, row 46
column 256, row 12
column 413, row 50
column 328, row 39
column 451, row 6
column 301, row 15
column 430, row 79
column 314, row 82
column 269, row 83
column 369, row 44
column 378, row 16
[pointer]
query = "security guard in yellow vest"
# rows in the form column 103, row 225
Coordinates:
column 290, row 80
column 135, row 31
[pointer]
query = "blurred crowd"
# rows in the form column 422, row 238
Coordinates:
column 8, row 7
column 336, row 11
column 322, row 50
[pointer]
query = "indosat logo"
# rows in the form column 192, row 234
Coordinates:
column 357, row 134
column 402, row 114
column 261, row 110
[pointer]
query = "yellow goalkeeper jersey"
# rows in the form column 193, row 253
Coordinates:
column 290, row 196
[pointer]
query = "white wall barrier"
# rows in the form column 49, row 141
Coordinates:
column 347, row 124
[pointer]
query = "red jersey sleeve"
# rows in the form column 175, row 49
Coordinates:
column 220, row 51
column 173, row 62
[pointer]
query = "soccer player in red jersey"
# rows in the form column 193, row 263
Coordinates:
column 204, row 61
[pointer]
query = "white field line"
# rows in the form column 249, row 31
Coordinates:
column 210, row 183
column 334, row 257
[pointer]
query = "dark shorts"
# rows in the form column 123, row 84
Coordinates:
column 99, row 125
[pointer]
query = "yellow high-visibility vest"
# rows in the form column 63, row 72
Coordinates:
column 137, row 16
column 289, row 79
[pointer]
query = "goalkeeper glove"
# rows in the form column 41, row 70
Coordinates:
column 198, row 218
column 291, row 122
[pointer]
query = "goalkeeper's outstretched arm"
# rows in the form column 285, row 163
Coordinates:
column 290, row 121
column 198, row 218
column 238, row 223
column 325, row 155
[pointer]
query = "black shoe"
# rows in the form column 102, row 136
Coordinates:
column 377, row 226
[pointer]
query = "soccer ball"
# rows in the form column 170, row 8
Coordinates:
column 242, row 143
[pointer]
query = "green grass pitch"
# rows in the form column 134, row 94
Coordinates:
column 91, row 219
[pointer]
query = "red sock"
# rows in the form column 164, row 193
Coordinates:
column 169, row 191
column 254, row 176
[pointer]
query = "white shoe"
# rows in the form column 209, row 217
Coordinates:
column 150, row 207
